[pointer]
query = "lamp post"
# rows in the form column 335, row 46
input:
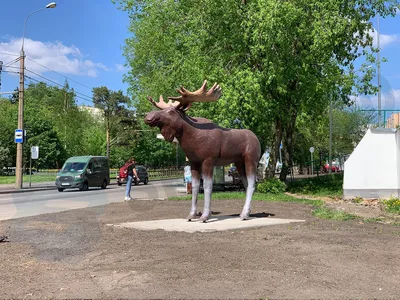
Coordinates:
column 379, row 74
column 18, row 167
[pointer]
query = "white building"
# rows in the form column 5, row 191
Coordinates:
column 94, row 111
column 373, row 169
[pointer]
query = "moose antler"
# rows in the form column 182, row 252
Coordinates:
column 201, row 95
column 161, row 104
column 186, row 99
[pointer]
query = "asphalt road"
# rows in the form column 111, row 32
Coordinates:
column 17, row 205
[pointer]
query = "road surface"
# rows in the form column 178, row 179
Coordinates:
column 17, row 205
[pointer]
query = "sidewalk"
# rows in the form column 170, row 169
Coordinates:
column 35, row 186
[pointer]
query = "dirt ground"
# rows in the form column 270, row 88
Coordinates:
column 74, row 254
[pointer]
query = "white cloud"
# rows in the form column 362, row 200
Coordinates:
column 389, row 100
column 384, row 39
column 56, row 56
column 121, row 68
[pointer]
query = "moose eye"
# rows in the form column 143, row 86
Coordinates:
column 171, row 112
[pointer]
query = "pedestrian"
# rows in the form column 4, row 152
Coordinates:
column 188, row 178
column 131, row 172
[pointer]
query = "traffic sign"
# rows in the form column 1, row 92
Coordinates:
column 312, row 149
column 19, row 136
column 35, row 152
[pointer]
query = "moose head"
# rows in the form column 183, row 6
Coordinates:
column 167, row 119
column 206, row 144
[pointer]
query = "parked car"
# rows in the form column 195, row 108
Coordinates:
column 335, row 168
column 83, row 172
column 122, row 175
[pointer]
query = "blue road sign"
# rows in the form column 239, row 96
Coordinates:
column 19, row 136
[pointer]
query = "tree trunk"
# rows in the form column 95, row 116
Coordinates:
column 274, row 152
column 288, row 150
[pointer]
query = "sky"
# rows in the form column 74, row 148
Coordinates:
column 79, row 39
column 82, row 40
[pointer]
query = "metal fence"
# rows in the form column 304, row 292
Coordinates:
column 162, row 173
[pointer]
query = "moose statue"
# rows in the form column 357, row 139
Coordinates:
column 207, row 145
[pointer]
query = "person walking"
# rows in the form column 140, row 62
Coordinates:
column 131, row 172
column 188, row 178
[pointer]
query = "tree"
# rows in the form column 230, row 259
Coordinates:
column 113, row 104
column 348, row 128
column 8, row 117
column 275, row 60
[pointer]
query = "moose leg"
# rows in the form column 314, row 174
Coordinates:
column 242, row 172
column 251, row 169
column 207, row 171
column 195, row 168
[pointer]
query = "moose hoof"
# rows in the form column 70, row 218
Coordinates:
column 190, row 217
column 244, row 217
column 204, row 219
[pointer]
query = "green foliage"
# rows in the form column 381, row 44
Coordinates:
column 4, row 158
column 348, row 128
column 324, row 212
column 275, row 60
column 326, row 185
column 392, row 205
column 113, row 104
column 272, row 185
column 62, row 129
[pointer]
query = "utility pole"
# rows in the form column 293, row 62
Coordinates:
column 18, row 167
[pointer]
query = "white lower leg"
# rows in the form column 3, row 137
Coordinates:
column 207, row 185
column 251, row 185
column 195, row 193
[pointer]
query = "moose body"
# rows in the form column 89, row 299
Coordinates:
column 207, row 145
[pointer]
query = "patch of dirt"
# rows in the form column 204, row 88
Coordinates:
column 74, row 254
column 365, row 208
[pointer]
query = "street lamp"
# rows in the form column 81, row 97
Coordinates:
column 379, row 73
column 18, row 169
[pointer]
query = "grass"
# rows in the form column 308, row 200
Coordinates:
column 324, row 212
column 34, row 178
column 392, row 205
column 257, row 196
column 326, row 186
column 320, row 211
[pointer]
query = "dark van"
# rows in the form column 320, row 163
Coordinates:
column 83, row 172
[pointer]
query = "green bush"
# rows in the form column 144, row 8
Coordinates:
column 273, row 186
column 392, row 205
column 326, row 185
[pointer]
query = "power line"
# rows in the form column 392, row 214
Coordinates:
column 59, row 74
column 57, row 83
column 33, row 79
column 12, row 67
column 12, row 62
column 10, row 72
column 83, row 96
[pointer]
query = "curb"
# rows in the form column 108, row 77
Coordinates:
column 33, row 189
column 46, row 188
column 27, row 189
